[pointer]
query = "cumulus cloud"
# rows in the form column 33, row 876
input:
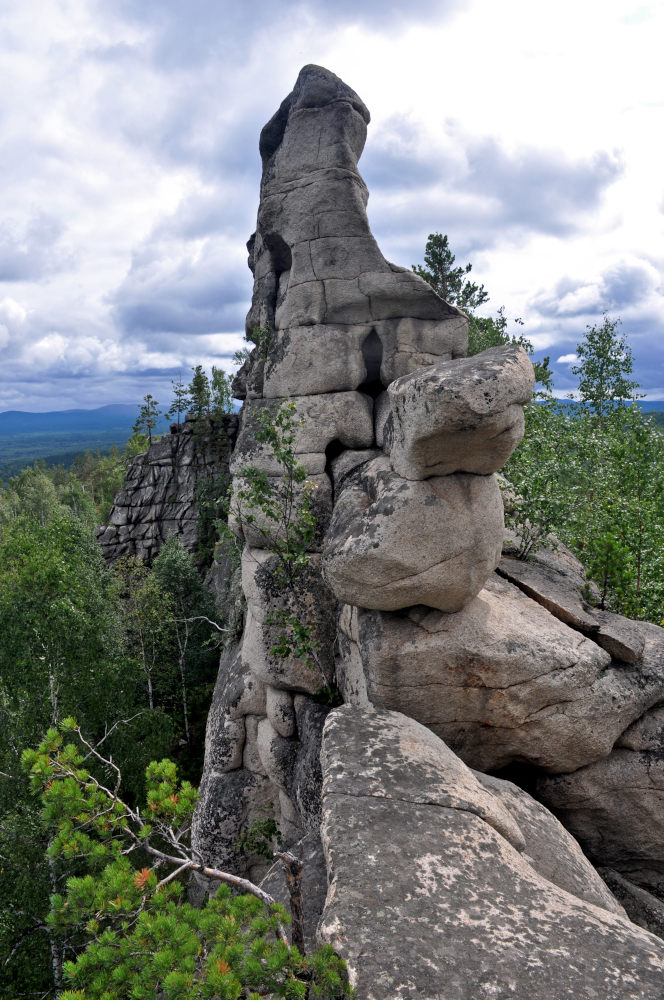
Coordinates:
column 131, row 171
column 31, row 247
column 224, row 31
column 567, row 359
column 183, row 287
column 477, row 191
column 622, row 285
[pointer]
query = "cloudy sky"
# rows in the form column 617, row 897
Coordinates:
column 530, row 133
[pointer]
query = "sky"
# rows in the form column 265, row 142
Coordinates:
column 530, row 133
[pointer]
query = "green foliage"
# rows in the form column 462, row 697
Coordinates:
column 77, row 638
column 193, row 645
column 605, row 363
column 540, row 475
column 211, row 495
column 451, row 284
column 61, row 650
column 592, row 473
column 199, row 394
column 148, row 417
column 146, row 613
column 280, row 509
column 260, row 838
column 205, row 396
column 221, row 392
column 448, row 281
column 261, row 338
column 139, row 938
column 180, row 401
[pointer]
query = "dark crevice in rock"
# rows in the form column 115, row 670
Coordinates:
column 372, row 389
column 333, row 450
column 372, row 355
column 273, row 133
column 521, row 774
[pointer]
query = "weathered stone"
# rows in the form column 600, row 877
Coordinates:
column 459, row 416
column 501, row 680
column 615, row 807
column 342, row 466
column 280, row 711
column 314, row 885
column 267, row 596
column 233, row 791
column 277, row 754
column 314, row 259
column 410, row 343
column 158, row 498
column 227, row 805
column 428, row 899
column 641, row 906
column 381, row 413
column 306, row 360
column 549, row 848
column 557, row 581
column 345, row 417
column 251, row 758
column 350, row 672
column 329, row 357
column 393, row 543
column 306, row 780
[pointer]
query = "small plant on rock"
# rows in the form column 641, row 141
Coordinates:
column 280, row 510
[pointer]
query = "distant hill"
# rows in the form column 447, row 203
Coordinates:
column 58, row 436
column 114, row 416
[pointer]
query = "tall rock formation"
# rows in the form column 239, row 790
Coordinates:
column 400, row 436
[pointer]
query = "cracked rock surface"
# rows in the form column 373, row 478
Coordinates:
column 431, row 896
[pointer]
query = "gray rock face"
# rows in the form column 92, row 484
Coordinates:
column 159, row 494
column 501, row 680
column 615, row 807
column 641, row 906
column 393, row 543
column 428, row 898
column 314, row 885
column 330, row 317
column 318, row 268
column 549, row 848
column 235, row 789
column 442, row 883
column 345, row 417
column 258, row 531
column 459, row 416
column 557, row 581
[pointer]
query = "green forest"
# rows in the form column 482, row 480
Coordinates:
column 106, row 675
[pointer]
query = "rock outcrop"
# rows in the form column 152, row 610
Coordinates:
column 443, row 885
column 441, row 882
column 501, row 680
column 162, row 489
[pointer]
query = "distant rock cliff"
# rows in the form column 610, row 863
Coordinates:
column 166, row 489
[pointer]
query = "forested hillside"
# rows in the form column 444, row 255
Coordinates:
column 57, row 438
column 79, row 639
